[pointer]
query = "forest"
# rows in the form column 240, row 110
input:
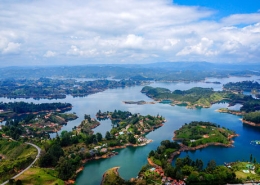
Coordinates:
column 242, row 86
column 252, row 117
column 57, row 89
column 199, row 133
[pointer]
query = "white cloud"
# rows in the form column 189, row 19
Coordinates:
column 50, row 54
column 202, row 48
column 11, row 48
column 237, row 19
column 114, row 31
column 133, row 41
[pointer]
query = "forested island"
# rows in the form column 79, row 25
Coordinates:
column 130, row 127
column 239, row 87
column 252, row 118
column 203, row 133
column 33, row 120
column 17, row 108
column 201, row 97
column 57, row 89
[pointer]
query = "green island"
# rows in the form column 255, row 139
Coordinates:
column 201, row 134
column 252, row 118
column 14, row 156
column 48, row 88
column 160, row 170
column 25, row 120
column 239, row 87
column 201, row 97
column 194, row 97
column 63, row 157
column 141, row 102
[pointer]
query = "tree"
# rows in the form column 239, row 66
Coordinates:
column 99, row 137
column 65, row 168
column 211, row 165
column 151, row 153
column 108, row 136
column 132, row 139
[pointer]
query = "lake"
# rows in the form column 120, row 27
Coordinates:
column 131, row 159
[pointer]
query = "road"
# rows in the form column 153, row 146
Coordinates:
column 36, row 158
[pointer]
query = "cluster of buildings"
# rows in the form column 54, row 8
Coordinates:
column 166, row 180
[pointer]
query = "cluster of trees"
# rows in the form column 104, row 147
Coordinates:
column 163, row 152
column 242, row 86
column 121, row 115
column 57, row 89
column 13, row 129
column 253, row 117
column 54, row 156
column 196, row 174
column 194, row 171
column 23, row 107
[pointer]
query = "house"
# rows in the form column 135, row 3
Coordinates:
column 103, row 150
column 92, row 152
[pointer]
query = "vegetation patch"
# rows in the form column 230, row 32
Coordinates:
column 15, row 157
column 40, row 176
column 200, row 133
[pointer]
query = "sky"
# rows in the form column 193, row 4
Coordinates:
column 78, row 32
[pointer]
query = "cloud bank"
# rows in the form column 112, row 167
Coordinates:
column 44, row 32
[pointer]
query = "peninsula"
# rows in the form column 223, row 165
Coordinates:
column 201, row 97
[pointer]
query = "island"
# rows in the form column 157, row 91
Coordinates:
column 195, row 97
column 49, row 88
column 252, row 118
column 141, row 102
column 240, row 87
column 201, row 97
column 212, row 82
column 198, row 134
column 28, row 120
column 130, row 128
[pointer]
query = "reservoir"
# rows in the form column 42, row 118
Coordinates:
column 131, row 159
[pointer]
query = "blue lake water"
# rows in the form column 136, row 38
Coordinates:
column 130, row 160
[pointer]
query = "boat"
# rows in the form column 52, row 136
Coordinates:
column 255, row 142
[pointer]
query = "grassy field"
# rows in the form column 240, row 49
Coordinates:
column 240, row 166
column 40, row 176
column 15, row 157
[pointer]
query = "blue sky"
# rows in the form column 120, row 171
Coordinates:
column 65, row 32
column 225, row 7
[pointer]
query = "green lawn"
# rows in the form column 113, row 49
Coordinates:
column 40, row 176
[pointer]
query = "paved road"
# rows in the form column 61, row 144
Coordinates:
column 37, row 157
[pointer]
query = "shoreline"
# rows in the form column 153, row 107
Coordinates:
column 114, row 169
column 250, row 123
column 187, row 148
